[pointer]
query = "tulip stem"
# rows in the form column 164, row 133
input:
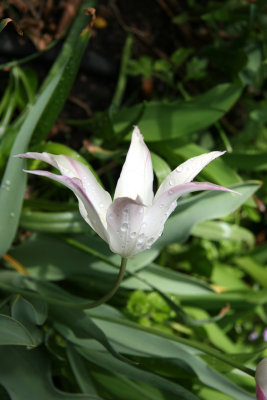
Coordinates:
column 113, row 290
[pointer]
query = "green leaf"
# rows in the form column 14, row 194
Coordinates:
column 104, row 360
column 136, row 339
column 227, row 276
column 163, row 121
column 167, row 281
column 14, row 179
column 31, row 376
column 160, row 167
column 77, row 327
column 82, row 374
column 219, row 230
column 30, row 314
column 12, row 332
column 196, row 68
column 214, row 333
column 247, row 161
column 40, row 119
column 68, row 64
column 254, row 269
column 58, row 222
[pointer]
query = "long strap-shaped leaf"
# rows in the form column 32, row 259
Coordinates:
column 61, row 76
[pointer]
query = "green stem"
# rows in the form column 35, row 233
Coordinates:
column 113, row 290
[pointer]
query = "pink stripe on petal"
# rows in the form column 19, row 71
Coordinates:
column 87, row 209
column 156, row 215
column 259, row 393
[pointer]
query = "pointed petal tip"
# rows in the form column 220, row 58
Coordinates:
column 136, row 133
column 22, row 155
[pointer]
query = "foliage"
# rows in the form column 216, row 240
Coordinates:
column 189, row 320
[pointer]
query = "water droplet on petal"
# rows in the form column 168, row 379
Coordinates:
column 101, row 205
column 161, row 205
column 141, row 238
column 143, row 225
column 111, row 216
column 124, row 227
column 126, row 211
column 150, row 241
column 179, row 169
column 133, row 235
column 141, row 210
column 171, row 183
column 170, row 192
column 139, row 245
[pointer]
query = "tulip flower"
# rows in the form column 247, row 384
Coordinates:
column 135, row 218
column 261, row 380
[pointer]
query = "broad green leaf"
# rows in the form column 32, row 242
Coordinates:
column 219, row 230
column 80, row 371
column 167, row 281
column 26, row 374
column 14, row 179
column 162, row 121
column 135, row 373
column 12, row 332
column 76, row 323
column 59, row 260
column 137, row 339
column 31, row 314
column 119, row 387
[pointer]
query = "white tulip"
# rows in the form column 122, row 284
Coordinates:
column 135, row 218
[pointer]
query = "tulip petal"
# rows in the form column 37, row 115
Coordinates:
column 87, row 209
column 187, row 171
column 156, row 216
column 136, row 179
column 261, row 379
column 71, row 168
column 124, row 219
column 259, row 393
